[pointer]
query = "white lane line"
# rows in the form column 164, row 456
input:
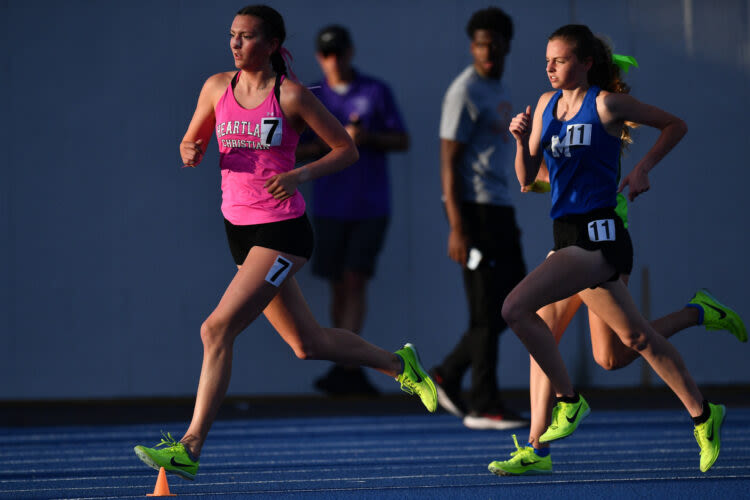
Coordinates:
column 404, row 477
column 409, row 453
column 584, row 440
column 429, row 432
column 496, row 483
column 234, row 429
column 480, row 462
column 248, row 429
column 576, row 471
column 312, row 425
column 239, row 451
column 477, row 460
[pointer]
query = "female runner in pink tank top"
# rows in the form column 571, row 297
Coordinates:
column 257, row 115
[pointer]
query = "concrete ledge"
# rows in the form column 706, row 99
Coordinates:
column 145, row 410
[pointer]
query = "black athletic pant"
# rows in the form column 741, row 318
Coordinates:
column 492, row 230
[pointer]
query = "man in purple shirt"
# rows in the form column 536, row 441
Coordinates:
column 351, row 208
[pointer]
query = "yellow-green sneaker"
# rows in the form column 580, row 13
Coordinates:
column 173, row 457
column 540, row 187
column 708, row 435
column 565, row 419
column 716, row 316
column 414, row 379
column 523, row 462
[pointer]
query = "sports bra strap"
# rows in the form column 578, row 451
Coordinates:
column 276, row 85
column 277, row 88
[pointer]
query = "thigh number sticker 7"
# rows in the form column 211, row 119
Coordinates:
column 278, row 272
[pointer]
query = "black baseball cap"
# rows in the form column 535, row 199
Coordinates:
column 333, row 39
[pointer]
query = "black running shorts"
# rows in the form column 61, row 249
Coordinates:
column 601, row 229
column 293, row 236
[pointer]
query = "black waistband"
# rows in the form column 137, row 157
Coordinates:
column 597, row 213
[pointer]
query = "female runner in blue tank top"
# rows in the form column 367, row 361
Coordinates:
column 577, row 129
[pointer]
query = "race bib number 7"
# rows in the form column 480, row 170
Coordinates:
column 602, row 230
column 270, row 131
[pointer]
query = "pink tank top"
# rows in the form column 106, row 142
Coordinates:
column 254, row 145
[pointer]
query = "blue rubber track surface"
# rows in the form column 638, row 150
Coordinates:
column 614, row 454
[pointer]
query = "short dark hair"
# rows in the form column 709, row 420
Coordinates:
column 491, row 19
column 333, row 39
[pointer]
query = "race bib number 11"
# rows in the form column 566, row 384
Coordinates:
column 578, row 134
column 602, row 230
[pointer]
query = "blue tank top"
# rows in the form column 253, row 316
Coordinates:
column 582, row 158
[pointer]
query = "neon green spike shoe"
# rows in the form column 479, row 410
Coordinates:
column 708, row 435
column 173, row 457
column 565, row 419
column 414, row 379
column 540, row 187
column 716, row 316
column 524, row 462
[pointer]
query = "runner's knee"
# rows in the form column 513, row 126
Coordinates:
column 608, row 361
column 214, row 332
column 309, row 346
column 613, row 357
column 638, row 341
column 305, row 351
column 513, row 311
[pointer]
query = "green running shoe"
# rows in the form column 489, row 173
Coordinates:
column 708, row 435
column 524, row 462
column 173, row 457
column 565, row 419
column 414, row 379
column 716, row 316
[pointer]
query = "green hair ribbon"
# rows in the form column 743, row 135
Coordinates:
column 624, row 62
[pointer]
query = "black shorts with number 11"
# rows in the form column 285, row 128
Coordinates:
column 601, row 229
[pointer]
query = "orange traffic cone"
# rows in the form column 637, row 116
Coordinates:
column 162, row 487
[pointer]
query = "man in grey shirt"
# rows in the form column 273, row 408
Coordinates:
column 476, row 154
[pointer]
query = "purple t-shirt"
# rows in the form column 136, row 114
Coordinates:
column 361, row 190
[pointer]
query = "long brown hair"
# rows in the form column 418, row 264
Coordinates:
column 603, row 73
column 273, row 27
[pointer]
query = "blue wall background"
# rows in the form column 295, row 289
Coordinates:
column 112, row 255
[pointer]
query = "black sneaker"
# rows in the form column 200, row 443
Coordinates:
column 341, row 381
column 499, row 419
column 448, row 395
